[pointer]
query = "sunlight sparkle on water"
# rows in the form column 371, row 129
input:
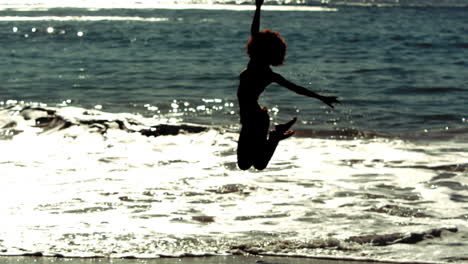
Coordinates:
column 82, row 18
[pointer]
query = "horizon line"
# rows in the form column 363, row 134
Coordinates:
column 97, row 6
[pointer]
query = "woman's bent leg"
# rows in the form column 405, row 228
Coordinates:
column 261, row 161
column 281, row 132
column 264, row 150
column 252, row 140
column 244, row 154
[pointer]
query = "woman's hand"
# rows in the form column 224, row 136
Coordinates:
column 258, row 3
column 330, row 100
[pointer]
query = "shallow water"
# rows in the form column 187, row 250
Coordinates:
column 118, row 133
column 97, row 189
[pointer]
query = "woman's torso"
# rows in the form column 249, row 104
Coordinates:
column 253, row 81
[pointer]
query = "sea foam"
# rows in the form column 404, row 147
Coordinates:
column 82, row 182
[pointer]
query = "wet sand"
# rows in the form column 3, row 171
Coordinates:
column 186, row 260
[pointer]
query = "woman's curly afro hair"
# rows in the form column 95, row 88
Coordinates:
column 267, row 46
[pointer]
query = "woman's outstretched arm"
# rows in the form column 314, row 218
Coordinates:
column 255, row 28
column 328, row 100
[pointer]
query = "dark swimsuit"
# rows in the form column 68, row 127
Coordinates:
column 252, row 84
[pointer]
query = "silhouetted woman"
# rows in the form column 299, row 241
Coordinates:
column 256, row 146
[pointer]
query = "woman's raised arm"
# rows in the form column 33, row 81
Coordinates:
column 255, row 28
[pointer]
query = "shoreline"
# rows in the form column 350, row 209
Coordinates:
column 230, row 259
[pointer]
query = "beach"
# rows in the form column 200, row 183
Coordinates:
column 119, row 128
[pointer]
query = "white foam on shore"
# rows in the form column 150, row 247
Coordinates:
column 80, row 192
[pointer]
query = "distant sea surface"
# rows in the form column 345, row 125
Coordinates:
column 118, row 133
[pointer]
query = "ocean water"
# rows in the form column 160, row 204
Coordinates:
column 118, row 132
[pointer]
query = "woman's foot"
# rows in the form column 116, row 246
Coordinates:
column 283, row 128
column 274, row 135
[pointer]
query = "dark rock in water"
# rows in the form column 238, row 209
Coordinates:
column 389, row 239
column 165, row 130
column 35, row 254
column 264, row 262
column 128, row 257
